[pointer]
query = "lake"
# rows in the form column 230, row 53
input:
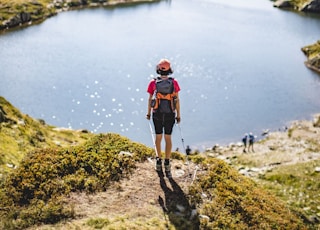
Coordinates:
column 239, row 66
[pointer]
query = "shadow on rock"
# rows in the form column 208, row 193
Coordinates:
column 176, row 205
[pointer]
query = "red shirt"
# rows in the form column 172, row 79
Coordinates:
column 152, row 86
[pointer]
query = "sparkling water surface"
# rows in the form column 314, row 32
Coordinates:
column 239, row 65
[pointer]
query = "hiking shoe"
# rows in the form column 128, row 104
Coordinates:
column 167, row 165
column 167, row 168
column 158, row 164
column 168, row 174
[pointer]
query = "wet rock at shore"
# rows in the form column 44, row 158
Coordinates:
column 17, row 20
column 283, row 4
column 310, row 6
column 312, row 53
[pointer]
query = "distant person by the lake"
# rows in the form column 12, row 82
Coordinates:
column 245, row 142
column 188, row 150
column 251, row 142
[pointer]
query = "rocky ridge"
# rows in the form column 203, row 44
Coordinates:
column 311, row 6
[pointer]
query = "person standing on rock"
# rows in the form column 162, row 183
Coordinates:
column 245, row 141
column 251, row 141
column 164, row 109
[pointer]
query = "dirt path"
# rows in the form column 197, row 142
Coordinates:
column 146, row 197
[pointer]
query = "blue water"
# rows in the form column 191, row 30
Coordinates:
column 239, row 65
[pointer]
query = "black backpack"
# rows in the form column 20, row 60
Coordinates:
column 164, row 95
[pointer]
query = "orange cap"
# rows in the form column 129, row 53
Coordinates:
column 163, row 65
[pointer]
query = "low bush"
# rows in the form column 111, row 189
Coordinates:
column 35, row 192
column 229, row 200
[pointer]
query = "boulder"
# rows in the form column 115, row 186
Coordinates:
column 3, row 117
column 311, row 6
column 25, row 17
column 17, row 20
column 283, row 4
column 314, row 63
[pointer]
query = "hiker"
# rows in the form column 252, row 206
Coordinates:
column 164, row 108
column 245, row 141
column 188, row 150
column 251, row 141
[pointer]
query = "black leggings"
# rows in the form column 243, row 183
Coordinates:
column 163, row 121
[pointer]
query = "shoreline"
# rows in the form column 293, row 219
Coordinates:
column 17, row 15
column 35, row 12
column 264, row 135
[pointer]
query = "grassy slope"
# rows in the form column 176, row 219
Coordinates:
column 22, row 134
column 39, row 10
column 286, row 163
column 37, row 191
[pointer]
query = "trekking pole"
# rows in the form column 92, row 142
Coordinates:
column 184, row 149
column 153, row 139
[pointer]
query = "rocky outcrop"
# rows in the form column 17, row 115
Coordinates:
column 313, row 54
column 17, row 20
column 3, row 117
column 308, row 6
column 314, row 63
column 311, row 6
column 283, row 4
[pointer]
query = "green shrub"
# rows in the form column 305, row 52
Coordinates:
column 232, row 201
column 34, row 193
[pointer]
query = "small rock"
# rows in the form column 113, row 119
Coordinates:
column 58, row 143
column 221, row 157
column 317, row 169
column 21, row 122
column 204, row 217
column 125, row 153
column 283, row 4
column 193, row 213
column 180, row 208
column 179, row 172
column 179, row 214
column 10, row 165
column 254, row 170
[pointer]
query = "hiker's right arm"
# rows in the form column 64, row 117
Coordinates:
column 149, row 107
column 178, row 118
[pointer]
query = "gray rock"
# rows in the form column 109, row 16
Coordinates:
column 311, row 6
column 2, row 115
column 283, row 4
